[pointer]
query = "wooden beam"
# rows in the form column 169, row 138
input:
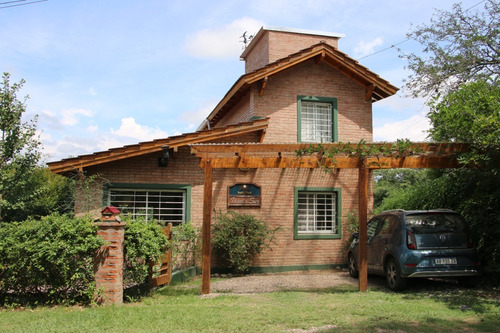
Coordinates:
column 263, row 86
column 281, row 162
column 444, row 161
column 369, row 92
column 262, row 135
column 342, row 162
column 320, row 58
column 206, row 233
column 359, row 73
column 363, row 217
column 283, row 147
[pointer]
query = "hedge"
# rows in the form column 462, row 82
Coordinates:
column 49, row 260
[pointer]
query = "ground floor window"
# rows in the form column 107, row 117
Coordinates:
column 317, row 213
column 162, row 204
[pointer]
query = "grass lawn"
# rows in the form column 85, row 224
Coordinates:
column 426, row 309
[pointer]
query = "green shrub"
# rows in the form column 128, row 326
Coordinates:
column 49, row 260
column 239, row 237
column 351, row 225
column 144, row 242
column 184, row 245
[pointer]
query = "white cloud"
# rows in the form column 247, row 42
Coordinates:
column 92, row 128
column 43, row 136
column 68, row 146
column 129, row 128
column 223, row 42
column 48, row 113
column 195, row 117
column 80, row 143
column 69, row 116
column 107, row 142
column 413, row 128
column 366, row 48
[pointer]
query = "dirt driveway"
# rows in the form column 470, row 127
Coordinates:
column 263, row 283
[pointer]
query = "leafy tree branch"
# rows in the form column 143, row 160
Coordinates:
column 459, row 46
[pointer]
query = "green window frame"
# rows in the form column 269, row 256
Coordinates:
column 317, row 213
column 317, row 119
column 166, row 203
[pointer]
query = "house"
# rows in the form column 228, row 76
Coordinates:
column 298, row 87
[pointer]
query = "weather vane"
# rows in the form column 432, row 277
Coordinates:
column 246, row 40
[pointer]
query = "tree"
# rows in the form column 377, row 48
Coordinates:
column 459, row 46
column 470, row 114
column 388, row 181
column 18, row 141
column 459, row 70
column 39, row 193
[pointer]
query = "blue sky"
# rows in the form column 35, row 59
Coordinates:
column 102, row 74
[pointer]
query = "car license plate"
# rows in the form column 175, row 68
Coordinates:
column 445, row 261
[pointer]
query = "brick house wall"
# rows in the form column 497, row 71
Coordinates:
column 279, row 104
column 271, row 44
column 241, row 112
column 277, row 208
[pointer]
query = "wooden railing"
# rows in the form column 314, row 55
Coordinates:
column 164, row 266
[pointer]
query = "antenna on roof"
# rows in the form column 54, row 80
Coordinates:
column 246, row 40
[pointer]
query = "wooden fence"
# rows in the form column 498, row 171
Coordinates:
column 164, row 266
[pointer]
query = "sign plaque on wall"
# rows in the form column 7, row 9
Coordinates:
column 244, row 195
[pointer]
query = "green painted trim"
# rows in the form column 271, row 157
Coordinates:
column 332, row 100
column 282, row 269
column 338, row 218
column 133, row 186
column 182, row 276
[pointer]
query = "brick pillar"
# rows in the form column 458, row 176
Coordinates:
column 109, row 263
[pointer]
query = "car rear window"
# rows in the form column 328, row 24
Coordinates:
column 432, row 223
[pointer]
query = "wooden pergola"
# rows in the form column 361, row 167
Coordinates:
column 257, row 156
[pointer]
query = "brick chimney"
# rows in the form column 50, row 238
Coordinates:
column 271, row 44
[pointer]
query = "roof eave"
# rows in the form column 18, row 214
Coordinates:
column 143, row 148
column 332, row 56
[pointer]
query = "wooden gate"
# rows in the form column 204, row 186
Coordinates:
column 164, row 265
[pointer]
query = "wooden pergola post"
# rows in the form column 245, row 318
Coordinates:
column 206, row 232
column 363, row 217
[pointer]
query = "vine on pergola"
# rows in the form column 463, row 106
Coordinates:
column 399, row 149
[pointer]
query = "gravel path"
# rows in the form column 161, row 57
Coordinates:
column 264, row 283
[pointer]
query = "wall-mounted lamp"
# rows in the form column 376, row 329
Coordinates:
column 165, row 155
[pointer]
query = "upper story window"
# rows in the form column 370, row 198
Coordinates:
column 317, row 119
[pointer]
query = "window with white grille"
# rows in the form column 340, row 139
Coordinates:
column 161, row 205
column 316, row 212
column 316, row 122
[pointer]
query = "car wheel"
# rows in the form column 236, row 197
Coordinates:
column 394, row 280
column 469, row 281
column 353, row 267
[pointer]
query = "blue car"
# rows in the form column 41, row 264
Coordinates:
column 412, row 244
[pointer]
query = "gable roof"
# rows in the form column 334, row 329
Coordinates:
column 142, row 148
column 376, row 87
